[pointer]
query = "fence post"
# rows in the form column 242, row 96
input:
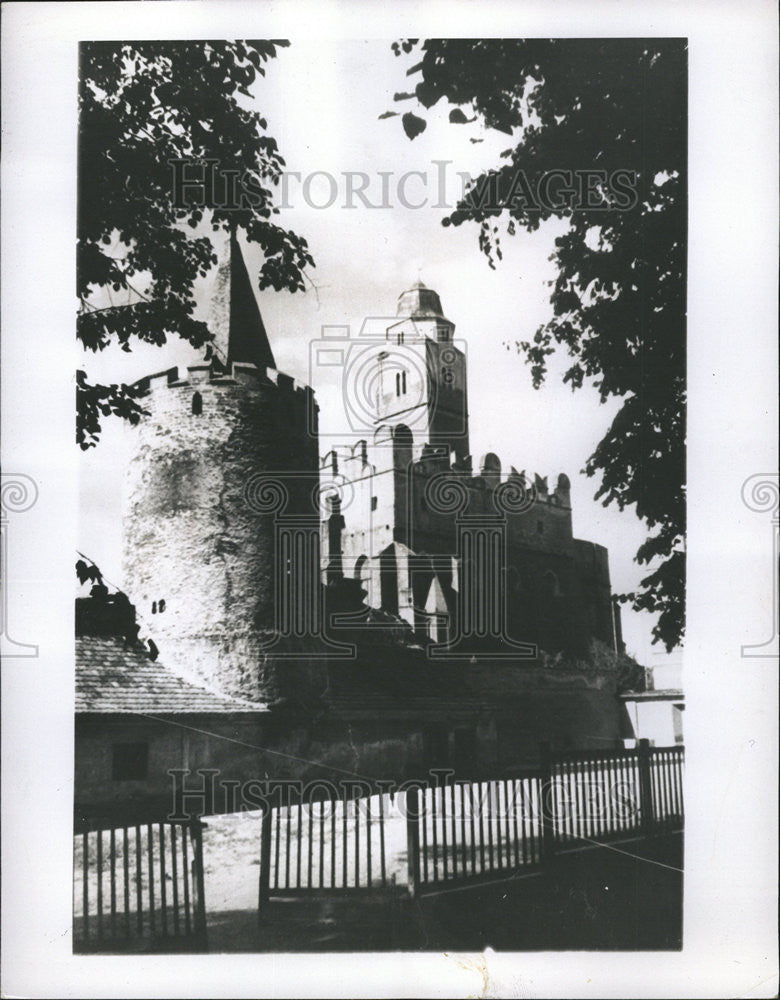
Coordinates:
column 265, row 855
column 547, row 801
column 645, row 788
column 413, row 839
column 196, row 829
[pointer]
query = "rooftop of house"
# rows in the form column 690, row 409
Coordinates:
column 116, row 673
column 114, row 676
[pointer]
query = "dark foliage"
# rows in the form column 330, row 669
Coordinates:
column 141, row 106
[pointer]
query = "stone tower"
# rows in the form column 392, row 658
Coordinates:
column 200, row 557
column 422, row 381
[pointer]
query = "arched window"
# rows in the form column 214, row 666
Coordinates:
column 360, row 449
column 383, row 434
column 360, row 569
column 403, row 383
column 362, row 572
column 154, row 607
column 161, row 605
column 197, row 404
column 398, row 383
column 403, row 443
column 388, row 581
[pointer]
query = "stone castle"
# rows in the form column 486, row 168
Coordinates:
column 390, row 585
column 447, row 547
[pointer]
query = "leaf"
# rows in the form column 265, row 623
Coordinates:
column 458, row 118
column 502, row 127
column 388, row 114
column 413, row 125
column 427, row 94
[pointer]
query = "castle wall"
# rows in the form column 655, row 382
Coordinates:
column 349, row 741
column 557, row 589
column 594, row 590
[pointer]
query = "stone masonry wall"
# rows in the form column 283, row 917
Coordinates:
column 192, row 539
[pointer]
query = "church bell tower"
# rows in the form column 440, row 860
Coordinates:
column 422, row 381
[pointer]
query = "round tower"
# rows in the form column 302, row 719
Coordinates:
column 200, row 557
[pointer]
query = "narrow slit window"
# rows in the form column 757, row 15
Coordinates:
column 197, row 404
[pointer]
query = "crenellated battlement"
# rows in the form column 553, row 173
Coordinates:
column 438, row 490
column 235, row 373
column 360, row 458
column 491, row 475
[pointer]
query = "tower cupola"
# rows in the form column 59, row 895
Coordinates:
column 420, row 301
column 423, row 306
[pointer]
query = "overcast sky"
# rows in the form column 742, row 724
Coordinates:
column 322, row 104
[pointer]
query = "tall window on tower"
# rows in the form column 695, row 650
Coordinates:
column 400, row 383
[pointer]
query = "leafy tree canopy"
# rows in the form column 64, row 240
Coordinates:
column 618, row 304
column 143, row 107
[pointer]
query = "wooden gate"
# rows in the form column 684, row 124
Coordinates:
column 324, row 844
column 461, row 830
column 139, row 888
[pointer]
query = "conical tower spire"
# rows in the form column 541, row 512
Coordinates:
column 234, row 317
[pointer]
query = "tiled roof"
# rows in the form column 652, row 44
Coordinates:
column 113, row 676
